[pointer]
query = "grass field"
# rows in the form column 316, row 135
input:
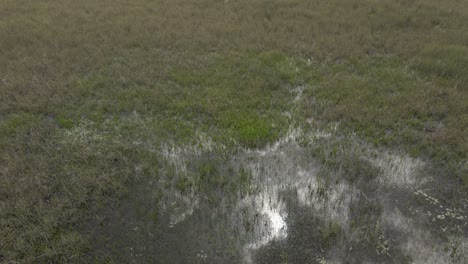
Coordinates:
column 92, row 91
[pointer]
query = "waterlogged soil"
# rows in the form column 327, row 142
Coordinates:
column 284, row 203
column 313, row 196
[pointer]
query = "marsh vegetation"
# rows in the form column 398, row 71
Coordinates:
column 260, row 131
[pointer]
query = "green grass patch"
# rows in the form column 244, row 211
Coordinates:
column 250, row 130
column 65, row 122
column 16, row 123
column 243, row 95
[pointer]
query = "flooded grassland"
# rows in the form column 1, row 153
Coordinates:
column 312, row 196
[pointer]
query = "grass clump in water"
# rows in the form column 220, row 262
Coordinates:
column 252, row 131
column 65, row 123
column 329, row 234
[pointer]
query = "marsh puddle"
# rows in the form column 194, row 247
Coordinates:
column 250, row 206
column 211, row 205
column 310, row 197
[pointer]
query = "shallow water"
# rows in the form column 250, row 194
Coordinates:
column 310, row 197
